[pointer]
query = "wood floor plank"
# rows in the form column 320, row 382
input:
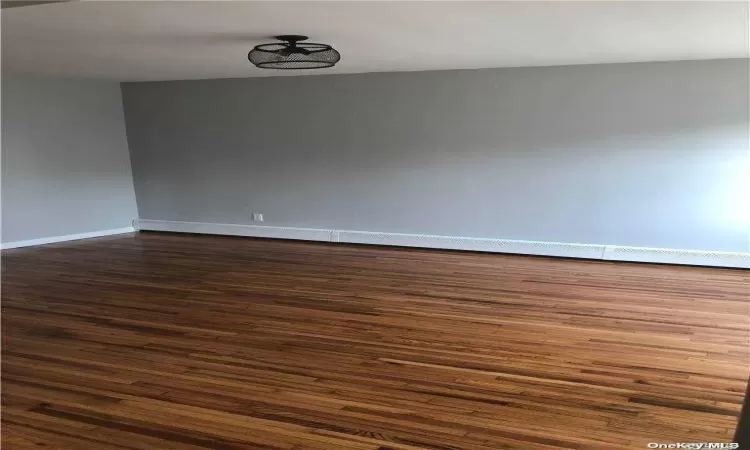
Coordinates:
column 157, row 340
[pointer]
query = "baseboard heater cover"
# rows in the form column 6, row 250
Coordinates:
column 560, row 249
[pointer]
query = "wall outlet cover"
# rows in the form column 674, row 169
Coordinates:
column 257, row 217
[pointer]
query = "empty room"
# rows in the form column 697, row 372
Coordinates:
column 375, row 225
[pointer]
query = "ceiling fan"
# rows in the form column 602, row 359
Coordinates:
column 292, row 53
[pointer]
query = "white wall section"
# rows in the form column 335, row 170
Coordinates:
column 648, row 155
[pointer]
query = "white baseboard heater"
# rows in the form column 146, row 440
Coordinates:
column 561, row 249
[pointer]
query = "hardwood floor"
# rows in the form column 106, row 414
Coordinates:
column 159, row 341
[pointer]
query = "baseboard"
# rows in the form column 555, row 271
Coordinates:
column 69, row 237
column 677, row 256
column 475, row 244
column 568, row 250
column 303, row 234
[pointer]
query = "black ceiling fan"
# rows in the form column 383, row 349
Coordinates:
column 291, row 53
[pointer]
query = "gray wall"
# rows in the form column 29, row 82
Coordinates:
column 65, row 162
column 647, row 154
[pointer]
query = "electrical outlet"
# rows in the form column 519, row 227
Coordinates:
column 257, row 217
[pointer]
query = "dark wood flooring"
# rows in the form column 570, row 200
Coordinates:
column 159, row 341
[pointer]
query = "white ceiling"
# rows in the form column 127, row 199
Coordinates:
column 167, row 40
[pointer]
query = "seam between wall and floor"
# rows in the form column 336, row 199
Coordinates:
column 65, row 238
column 540, row 248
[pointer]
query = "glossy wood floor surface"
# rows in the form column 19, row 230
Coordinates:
column 159, row 341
